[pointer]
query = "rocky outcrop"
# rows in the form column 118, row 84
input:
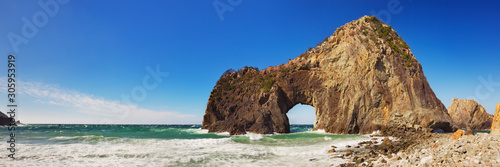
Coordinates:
column 4, row 119
column 469, row 114
column 362, row 78
column 495, row 127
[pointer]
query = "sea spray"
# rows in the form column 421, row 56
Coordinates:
column 171, row 145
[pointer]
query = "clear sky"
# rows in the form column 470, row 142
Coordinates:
column 118, row 61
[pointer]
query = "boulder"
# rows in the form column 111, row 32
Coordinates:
column 495, row 127
column 468, row 114
column 361, row 79
column 386, row 142
column 459, row 133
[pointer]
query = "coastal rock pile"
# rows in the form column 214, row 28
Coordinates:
column 469, row 114
column 362, row 78
column 495, row 127
column 481, row 149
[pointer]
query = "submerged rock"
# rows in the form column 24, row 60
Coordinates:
column 468, row 114
column 361, row 79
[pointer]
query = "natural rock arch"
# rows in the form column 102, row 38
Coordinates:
column 301, row 114
column 360, row 79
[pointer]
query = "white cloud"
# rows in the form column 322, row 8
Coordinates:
column 110, row 111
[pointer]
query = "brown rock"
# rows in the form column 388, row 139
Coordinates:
column 469, row 131
column 469, row 114
column 331, row 151
column 336, row 156
column 357, row 82
column 495, row 127
column 389, row 156
column 459, row 133
column 386, row 142
column 348, row 152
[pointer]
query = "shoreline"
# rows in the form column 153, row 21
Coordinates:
column 426, row 149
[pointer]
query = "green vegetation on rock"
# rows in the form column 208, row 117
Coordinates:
column 391, row 37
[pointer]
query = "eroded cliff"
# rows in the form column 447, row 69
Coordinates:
column 362, row 78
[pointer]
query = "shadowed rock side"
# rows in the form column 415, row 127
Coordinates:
column 495, row 127
column 4, row 119
column 469, row 114
column 360, row 79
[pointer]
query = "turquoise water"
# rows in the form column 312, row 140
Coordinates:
column 168, row 145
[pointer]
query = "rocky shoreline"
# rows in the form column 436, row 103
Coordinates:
column 425, row 149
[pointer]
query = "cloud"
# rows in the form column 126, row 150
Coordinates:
column 110, row 111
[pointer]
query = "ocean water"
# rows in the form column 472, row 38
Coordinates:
column 168, row 145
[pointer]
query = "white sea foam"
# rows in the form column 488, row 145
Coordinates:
column 196, row 131
column 254, row 136
column 321, row 131
column 223, row 133
column 178, row 152
column 376, row 132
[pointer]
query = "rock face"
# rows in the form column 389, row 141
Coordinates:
column 4, row 119
column 469, row 114
column 360, row 79
column 495, row 127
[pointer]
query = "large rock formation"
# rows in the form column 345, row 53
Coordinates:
column 469, row 114
column 360, row 79
column 495, row 126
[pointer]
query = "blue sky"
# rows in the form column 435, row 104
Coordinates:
column 87, row 60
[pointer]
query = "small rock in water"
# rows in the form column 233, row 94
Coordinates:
column 333, row 146
column 348, row 152
column 336, row 156
column 331, row 151
column 347, row 146
column 386, row 142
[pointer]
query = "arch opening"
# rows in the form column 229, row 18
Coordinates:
column 301, row 117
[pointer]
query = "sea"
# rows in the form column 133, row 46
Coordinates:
column 168, row 145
